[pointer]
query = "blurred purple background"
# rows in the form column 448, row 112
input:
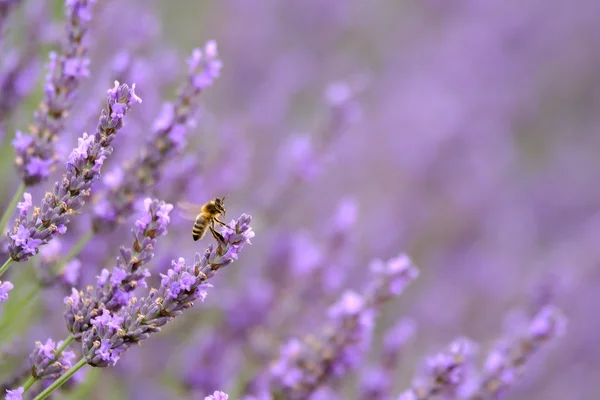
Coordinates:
column 468, row 144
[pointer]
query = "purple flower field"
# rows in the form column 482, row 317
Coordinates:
column 409, row 208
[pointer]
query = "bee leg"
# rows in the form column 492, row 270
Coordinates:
column 220, row 222
column 216, row 234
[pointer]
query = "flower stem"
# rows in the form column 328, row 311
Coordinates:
column 5, row 266
column 61, row 381
column 11, row 207
column 65, row 344
column 74, row 252
column 29, row 383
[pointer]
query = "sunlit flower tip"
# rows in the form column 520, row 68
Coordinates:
column 463, row 348
column 22, row 141
column 210, row 49
column 73, row 298
column 114, row 91
column 337, row 93
column 217, row 395
column 351, row 303
column 291, row 349
column 549, row 322
column 16, row 394
column 5, row 287
column 134, row 96
column 408, row 395
column 47, row 349
column 26, row 204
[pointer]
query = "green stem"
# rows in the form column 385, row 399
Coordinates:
column 65, row 344
column 5, row 266
column 11, row 207
column 74, row 252
column 61, row 381
column 29, row 383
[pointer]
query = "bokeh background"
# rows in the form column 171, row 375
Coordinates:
column 470, row 143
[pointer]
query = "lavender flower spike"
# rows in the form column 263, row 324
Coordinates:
column 34, row 152
column 32, row 230
column 114, row 289
column 45, row 364
column 446, row 374
column 5, row 287
column 305, row 365
column 166, row 140
column 504, row 365
column 113, row 333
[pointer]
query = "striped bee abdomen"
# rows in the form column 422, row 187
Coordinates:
column 200, row 227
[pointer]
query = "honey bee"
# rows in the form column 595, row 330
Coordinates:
column 207, row 215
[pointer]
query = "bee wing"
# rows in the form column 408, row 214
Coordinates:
column 189, row 211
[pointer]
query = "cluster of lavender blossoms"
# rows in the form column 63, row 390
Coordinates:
column 35, row 151
column 91, row 245
column 37, row 227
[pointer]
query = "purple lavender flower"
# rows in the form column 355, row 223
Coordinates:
column 166, row 140
column 16, row 394
column 115, row 289
column 446, row 374
column 305, row 365
column 45, row 364
column 5, row 287
column 83, row 168
column 217, row 395
column 505, row 363
column 102, row 345
column 65, row 70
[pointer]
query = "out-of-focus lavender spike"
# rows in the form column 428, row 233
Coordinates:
column 167, row 139
column 504, row 365
column 32, row 230
column 16, row 394
column 45, row 364
column 112, row 334
column 115, row 288
column 377, row 381
column 446, row 374
column 34, row 152
column 302, row 156
column 5, row 287
column 305, row 365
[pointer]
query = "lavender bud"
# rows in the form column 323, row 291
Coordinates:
column 35, row 229
column 167, row 140
column 45, row 365
column 34, row 152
